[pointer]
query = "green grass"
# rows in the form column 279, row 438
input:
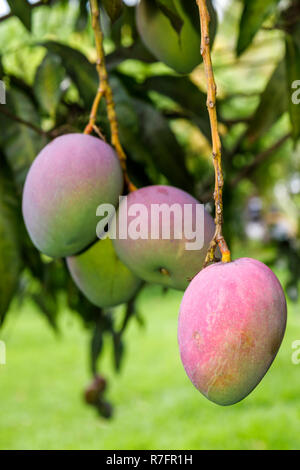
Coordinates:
column 156, row 407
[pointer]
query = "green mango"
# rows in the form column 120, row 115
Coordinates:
column 102, row 277
column 180, row 51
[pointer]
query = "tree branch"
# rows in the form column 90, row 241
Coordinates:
column 248, row 169
column 51, row 134
column 15, row 118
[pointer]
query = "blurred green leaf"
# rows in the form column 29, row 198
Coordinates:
column 135, row 52
column 20, row 143
column 254, row 14
column 187, row 95
column 103, row 324
column 113, row 8
column 82, row 18
column 293, row 77
column 273, row 104
column 10, row 257
column 21, row 9
column 1, row 67
column 79, row 69
column 168, row 7
column 47, row 303
column 118, row 349
column 147, row 136
column 96, row 346
column 47, row 83
column 162, row 147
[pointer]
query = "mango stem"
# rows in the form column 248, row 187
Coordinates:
column 105, row 91
column 218, row 238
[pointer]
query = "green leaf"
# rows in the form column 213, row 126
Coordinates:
column 20, row 143
column 103, row 325
column 96, row 346
column 273, row 103
column 113, row 8
column 10, row 257
column 47, row 83
column 169, row 9
column 293, row 81
column 118, row 350
column 82, row 18
column 23, row 10
column 47, row 305
column 163, row 150
column 187, row 95
column 79, row 69
column 1, row 68
column 136, row 52
column 148, row 138
column 254, row 14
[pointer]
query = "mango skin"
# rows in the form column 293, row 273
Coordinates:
column 67, row 181
column 148, row 258
column 180, row 52
column 102, row 277
column 231, row 324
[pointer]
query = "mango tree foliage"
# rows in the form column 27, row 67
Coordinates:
column 51, row 80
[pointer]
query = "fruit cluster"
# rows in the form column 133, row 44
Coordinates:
column 69, row 179
column 232, row 317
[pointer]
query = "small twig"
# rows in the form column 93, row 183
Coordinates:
column 28, row 124
column 93, row 115
column 233, row 122
column 51, row 134
column 258, row 159
column 218, row 239
column 105, row 91
column 246, row 171
column 61, row 130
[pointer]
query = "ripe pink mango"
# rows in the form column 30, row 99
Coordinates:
column 102, row 277
column 67, row 181
column 162, row 261
column 231, row 324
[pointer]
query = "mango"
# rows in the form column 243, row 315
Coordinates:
column 231, row 324
column 102, row 277
column 67, row 181
column 180, row 51
column 162, row 257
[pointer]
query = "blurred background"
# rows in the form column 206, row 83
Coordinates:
column 55, row 340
